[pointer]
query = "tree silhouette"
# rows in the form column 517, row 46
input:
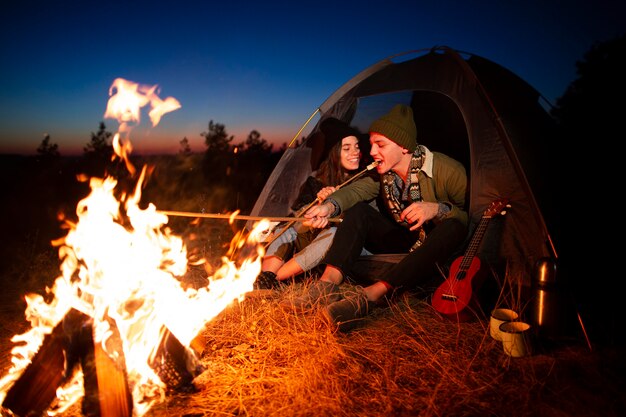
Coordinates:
column 48, row 150
column 98, row 152
column 216, row 139
column 255, row 143
column 586, row 114
column 588, row 121
column 100, row 143
column 253, row 164
column 586, row 111
column 218, row 156
column 236, row 174
column 185, row 149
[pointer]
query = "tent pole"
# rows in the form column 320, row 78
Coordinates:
column 302, row 128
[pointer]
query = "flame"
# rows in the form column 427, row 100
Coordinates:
column 128, row 97
column 122, row 265
column 125, row 102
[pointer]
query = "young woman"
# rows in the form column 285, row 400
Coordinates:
column 300, row 248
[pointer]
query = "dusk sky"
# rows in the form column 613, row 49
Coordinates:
column 256, row 65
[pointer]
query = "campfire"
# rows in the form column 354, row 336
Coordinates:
column 117, row 328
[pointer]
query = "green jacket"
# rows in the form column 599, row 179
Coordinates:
column 447, row 184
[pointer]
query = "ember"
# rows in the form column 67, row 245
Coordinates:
column 116, row 327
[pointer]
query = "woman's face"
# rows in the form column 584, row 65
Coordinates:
column 350, row 153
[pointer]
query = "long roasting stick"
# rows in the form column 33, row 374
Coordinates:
column 318, row 200
column 304, row 209
column 237, row 217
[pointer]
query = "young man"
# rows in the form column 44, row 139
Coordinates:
column 424, row 195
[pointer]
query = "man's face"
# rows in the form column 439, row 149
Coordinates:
column 386, row 152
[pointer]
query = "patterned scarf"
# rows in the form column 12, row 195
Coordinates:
column 398, row 196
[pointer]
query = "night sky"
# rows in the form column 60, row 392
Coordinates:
column 255, row 65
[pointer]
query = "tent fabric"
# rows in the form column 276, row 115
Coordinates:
column 471, row 109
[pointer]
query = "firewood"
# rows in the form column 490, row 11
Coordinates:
column 35, row 389
column 175, row 364
column 114, row 396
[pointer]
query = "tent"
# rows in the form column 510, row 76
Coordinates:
column 471, row 109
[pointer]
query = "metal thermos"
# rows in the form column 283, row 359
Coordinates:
column 551, row 312
column 544, row 286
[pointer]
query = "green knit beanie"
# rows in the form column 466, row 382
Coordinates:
column 398, row 125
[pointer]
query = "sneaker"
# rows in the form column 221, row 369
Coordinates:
column 346, row 314
column 319, row 292
column 266, row 280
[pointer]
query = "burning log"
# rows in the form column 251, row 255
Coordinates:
column 175, row 364
column 113, row 394
column 34, row 391
column 71, row 346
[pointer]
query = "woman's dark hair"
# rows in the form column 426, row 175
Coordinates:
column 331, row 172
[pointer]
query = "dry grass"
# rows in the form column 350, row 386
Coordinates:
column 294, row 364
column 403, row 360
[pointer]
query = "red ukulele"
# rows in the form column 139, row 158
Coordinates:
column 455, row 293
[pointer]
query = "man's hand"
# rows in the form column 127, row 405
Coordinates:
column 418, row 213
column 318, row 215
